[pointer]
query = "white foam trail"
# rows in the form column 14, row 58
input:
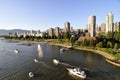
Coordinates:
column 66, row 64
column 44, row 64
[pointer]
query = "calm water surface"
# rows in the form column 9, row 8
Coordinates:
column 17, row 66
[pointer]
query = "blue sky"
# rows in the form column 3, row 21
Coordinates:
column 43, row 14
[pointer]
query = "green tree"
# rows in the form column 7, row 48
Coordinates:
column 116, row 46
column 116, row 36
column 100, row 45
column 91, row 42
column 72, row 40
column 104, row 42
column 21, row 37
column 109, row 44
column 85, row 42
column 109, row 35
column 66, row 35
column 101, row 35
column 38, row 37
column 59, row 37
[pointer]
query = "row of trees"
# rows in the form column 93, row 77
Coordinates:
column 61, row 37
column 104, row 41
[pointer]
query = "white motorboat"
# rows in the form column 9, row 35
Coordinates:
column 77, row 72
column 36, row 60
column 31, row 74
column 17, row 51
column 55, row 61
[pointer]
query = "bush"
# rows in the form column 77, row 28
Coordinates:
column 109, row 44
column 100, row 45
column 85, row 43
column 116, row 46
column 91, row 43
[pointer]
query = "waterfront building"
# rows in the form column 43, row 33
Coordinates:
column 109, row 23
column 24, row 34
column 92, row 25
column 71, row 29
column 57, row 31
column 103, row 27
column 37, row 33
column 117, row 26
column 31, row 33
column 77, row 31
column 98, row 29
column 67, row 27
column 41, row 34
column 51, row 32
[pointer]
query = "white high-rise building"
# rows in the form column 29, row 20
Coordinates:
column 116, row 26
column 92, row 25
column 51, row 32
column 67, row 27
column 109, row 23
column 57, row 31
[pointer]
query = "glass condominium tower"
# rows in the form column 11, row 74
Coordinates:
column 109, row 23
column 91, row 25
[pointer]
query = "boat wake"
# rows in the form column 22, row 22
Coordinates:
column 42, row 63
column 72, row 66
column 66, row 64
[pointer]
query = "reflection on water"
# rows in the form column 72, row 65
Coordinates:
column 89, row 58
column 17, row 67
column 40, row 51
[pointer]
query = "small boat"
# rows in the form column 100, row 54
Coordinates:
column 31, row 74
column 61, row 49
column 77, row 72
column 55, row 61
column 64, row 49
column 36, row 60
column 17, row 51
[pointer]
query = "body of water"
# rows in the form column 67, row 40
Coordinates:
column 17, row 66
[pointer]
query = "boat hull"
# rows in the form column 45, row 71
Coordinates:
column 75, row 75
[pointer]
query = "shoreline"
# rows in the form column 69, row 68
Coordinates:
column 113, row 62
column 109, row 58
column 106, row 55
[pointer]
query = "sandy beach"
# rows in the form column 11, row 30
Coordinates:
column 106, row 55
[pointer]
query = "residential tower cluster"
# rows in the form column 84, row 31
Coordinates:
column 92, row 30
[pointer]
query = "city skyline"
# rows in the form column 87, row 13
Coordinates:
column 41, row 15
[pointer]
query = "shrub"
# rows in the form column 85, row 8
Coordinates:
column 109, row 44
column 116, row 46
column 100, row 45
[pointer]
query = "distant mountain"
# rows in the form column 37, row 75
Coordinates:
column 5, row 32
